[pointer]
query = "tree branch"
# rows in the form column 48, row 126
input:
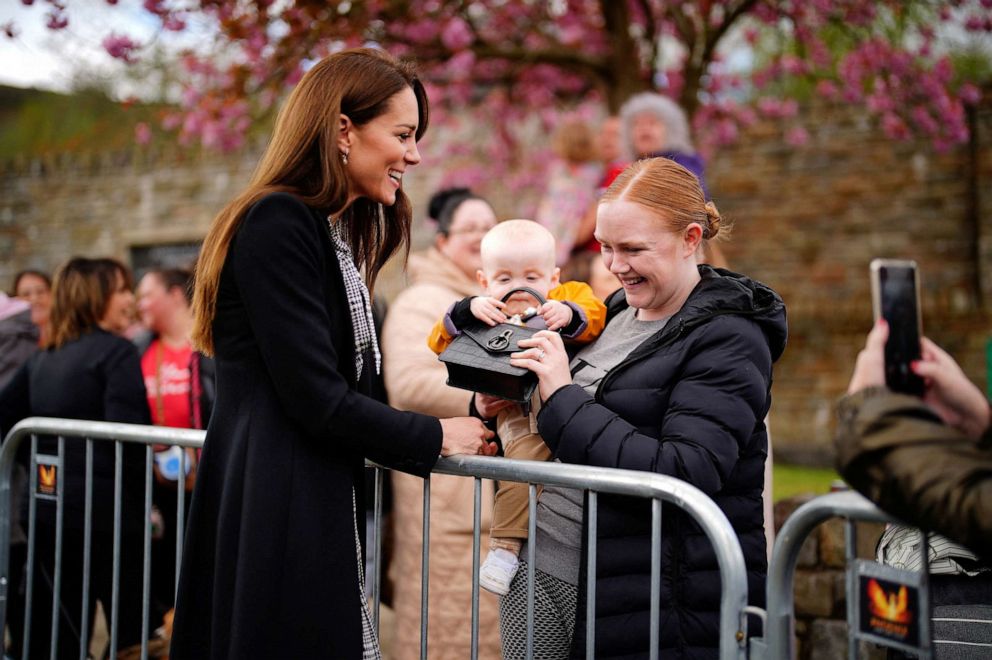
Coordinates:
column 569, row 58
column 652, row 25
column 713, row 38
column 653, row 32
column 686, row 31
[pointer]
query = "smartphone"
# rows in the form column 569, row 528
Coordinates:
column 895, row 293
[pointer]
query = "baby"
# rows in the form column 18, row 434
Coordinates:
column 519, row 253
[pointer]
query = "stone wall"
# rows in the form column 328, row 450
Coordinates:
column 108, row 203
column 113, row 203
column 808, row 221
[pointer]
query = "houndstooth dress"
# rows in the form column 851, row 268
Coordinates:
column 365, row 342
column 370, row 641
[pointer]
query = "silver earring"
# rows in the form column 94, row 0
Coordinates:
column 344, row 157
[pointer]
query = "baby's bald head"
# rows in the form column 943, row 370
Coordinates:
column 518, row 253
column 516, row 240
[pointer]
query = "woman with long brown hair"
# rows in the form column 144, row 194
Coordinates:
column 272, row 565
column 88, row 372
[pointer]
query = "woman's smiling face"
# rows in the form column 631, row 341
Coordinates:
column 655, row 266
column 119, row 314
column 36, row 291
column 381, row 150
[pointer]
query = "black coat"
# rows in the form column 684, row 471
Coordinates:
column 95, row 377
column 689, row 402
column 270, row 568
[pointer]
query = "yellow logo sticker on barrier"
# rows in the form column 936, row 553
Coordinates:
column 47, row 479
column 890, row 610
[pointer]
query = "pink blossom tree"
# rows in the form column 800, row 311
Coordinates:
column 516, row 60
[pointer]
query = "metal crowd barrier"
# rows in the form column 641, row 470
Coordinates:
column 659, row 488
column 88, row 432
column 779, row 640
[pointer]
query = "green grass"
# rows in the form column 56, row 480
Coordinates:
column 790, row 480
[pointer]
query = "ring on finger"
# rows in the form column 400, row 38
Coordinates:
column 540, row 354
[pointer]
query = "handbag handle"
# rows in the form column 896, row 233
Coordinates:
column 525, row 289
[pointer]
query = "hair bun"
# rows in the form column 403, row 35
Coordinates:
column 713, row 226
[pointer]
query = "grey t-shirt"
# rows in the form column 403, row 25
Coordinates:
column 559, row 510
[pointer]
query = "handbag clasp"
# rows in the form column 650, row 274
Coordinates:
column 500, row 341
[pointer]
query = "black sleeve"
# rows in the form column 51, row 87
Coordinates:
column 15, row 400
column 279, row 262
column 461, row 313
column 124, row 399
column 897, row 452
column 577, row 321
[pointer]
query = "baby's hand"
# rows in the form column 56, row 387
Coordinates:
column 488, row 310
column 556, row 314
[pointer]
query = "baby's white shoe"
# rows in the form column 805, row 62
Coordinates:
column 498, row 570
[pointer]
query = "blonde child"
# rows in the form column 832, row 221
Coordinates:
column 519, row 253
column 572, row 185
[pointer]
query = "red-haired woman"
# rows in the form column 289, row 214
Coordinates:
column 678, row 384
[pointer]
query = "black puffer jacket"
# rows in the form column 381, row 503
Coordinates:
column 690, row 402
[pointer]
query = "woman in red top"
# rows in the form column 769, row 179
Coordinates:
column 180, row 386
column 168, row 360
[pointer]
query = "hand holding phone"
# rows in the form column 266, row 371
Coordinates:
column 951, row 394
column 896, row 298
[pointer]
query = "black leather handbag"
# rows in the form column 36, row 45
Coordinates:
column 478, row 359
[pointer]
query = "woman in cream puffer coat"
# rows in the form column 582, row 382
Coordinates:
column 415, row 380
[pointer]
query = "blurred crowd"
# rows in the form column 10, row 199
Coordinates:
column 88, row 344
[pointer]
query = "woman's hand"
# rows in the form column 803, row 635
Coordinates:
column 546, row 357
column 488, row 405
column 869, row 370
column 466, row 435
column 949, row 392
column 946, row 389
